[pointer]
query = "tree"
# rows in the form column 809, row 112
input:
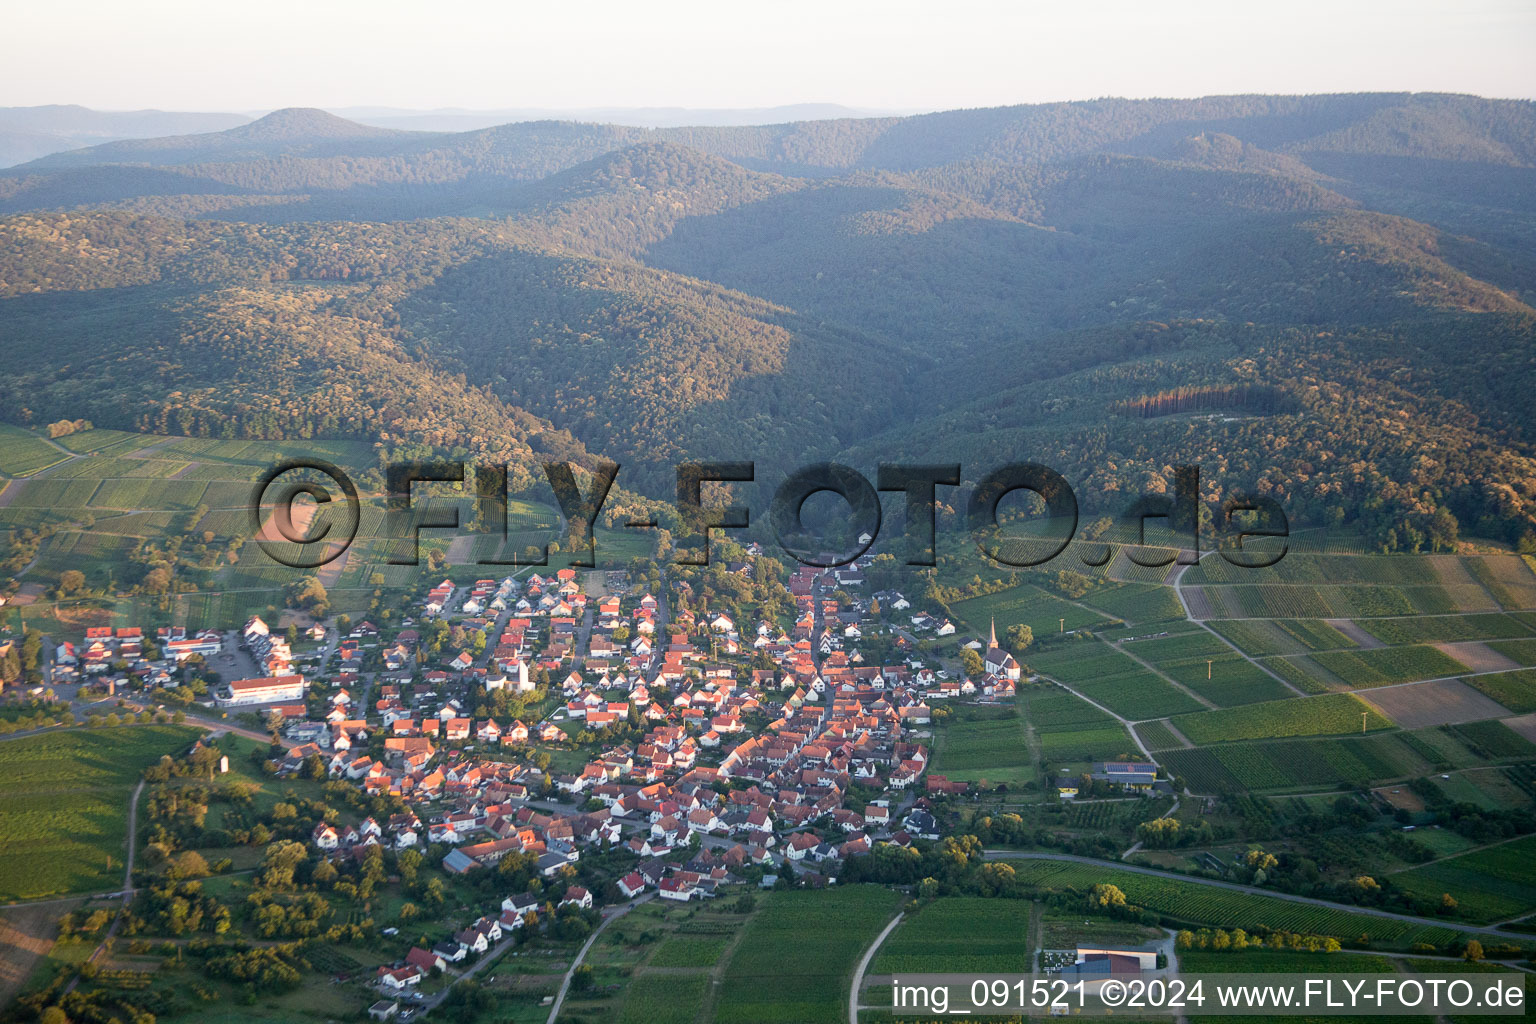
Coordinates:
column 71, row 581
column 1019, row 638
column 1104, row 895
column 1473, row 952
column 189, row 865
column 971, row 662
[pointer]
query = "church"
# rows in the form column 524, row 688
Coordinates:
column 998, row 661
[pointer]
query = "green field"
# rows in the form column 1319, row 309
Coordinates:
column 1110, row 677
column 1490, row 884
column 1304, row 673
column 63, row 812
column 1136, row 602
column 664, row 999
column 959, row 935
column 1156, row 735
column 1196, row 904
column 1281, row 961
column 795, row 962
column 1260, row 765
column 1209, row 667
column 23, row 453
column 1387, row 665
column 689, row 951
column 1025, row 604
column 1435, row 629
column 1331, row 714
column 974, row 745
column 1515, row 690
column 1521, row 651
column 1072, row 730
column 1261, row 637
column 1494, row 740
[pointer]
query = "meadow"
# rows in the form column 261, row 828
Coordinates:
column 63, row 812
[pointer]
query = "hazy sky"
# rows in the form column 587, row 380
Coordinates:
column 202, row 55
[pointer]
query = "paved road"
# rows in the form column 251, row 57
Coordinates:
column 1429, row 922
column 565, row 983
column 858, row 975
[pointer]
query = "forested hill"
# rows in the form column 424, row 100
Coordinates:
column 1325, row 296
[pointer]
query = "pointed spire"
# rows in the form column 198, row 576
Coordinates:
column 992, row 640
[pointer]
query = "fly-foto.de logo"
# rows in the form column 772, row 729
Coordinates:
column 278, row 525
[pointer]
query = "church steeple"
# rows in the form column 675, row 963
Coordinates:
column 992, row 639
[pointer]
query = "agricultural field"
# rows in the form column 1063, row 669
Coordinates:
column 1434, row 629
column 780, row 942
column 1281, row 961
column 1209, row 667
column 1385, row 666
column 1136, row 602
column 1515, row 690
column 1508, row 578
column 1226, row 679
column 1071, row 730
column 1303, row 673
column 689, row 951
column 1196, row 904
column 1435, row 702
column 23, row 453
column 972, row 745
column 960, row 935
column 1494, row 740
column 1025, row 604
column 1108, row 676
column 1157, row 736
column 664, row 999
column 1265, row 765
column 63, row 813
column 1324, row 567
column 1522, row 652
column 1331, row 714
column 1490, row 884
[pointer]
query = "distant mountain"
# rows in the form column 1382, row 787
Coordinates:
column 27, row 133
column 1324, row 297
column 457, row 120
column 294, row 131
